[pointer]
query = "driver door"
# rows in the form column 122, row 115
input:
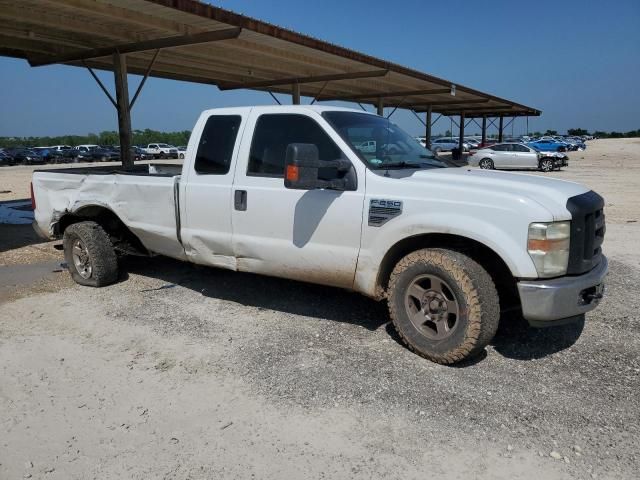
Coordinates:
column 305, row 235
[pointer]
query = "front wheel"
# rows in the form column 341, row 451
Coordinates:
column 487, row 164
column 443, row 304
column 546, row 165
column 89, row 254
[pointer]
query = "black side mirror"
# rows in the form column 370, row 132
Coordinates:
column 302, row 165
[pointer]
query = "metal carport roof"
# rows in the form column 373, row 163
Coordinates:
column 206, row 44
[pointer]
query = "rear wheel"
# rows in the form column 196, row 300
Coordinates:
column 487, row 164
column 443, row 304
column 89, row 254
column 546, row 165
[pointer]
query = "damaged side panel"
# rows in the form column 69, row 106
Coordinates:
column 144, row 203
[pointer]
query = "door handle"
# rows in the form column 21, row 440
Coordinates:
column 240, row 200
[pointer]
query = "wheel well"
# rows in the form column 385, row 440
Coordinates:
column 123, row 239
column 483, row 255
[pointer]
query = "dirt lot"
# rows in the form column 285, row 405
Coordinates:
column 187, row 372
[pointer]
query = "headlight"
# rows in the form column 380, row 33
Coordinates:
column 548, row 247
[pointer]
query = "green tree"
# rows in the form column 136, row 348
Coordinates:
column 577, row 131
column 551, row 132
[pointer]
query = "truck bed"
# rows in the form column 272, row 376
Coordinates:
column 144, row 198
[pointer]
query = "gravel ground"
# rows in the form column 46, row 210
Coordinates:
column 180, row 371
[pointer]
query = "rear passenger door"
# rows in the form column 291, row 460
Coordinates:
column 206, row 209
column 305, row 235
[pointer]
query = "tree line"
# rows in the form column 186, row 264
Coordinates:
column 140, row 137
column 597, row 133
column 144, row 137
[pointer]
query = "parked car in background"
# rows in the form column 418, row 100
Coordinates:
column 517, row 156
column 105, row 154
column 182, row 151
column 84, row 152
column 25, row 156
column 575, row 143
column 6, row 159
column 488, row 142
column 549, row 145
column 61, row 153
column 473, row 143
column 446, row 144
column 138, row 154
column 162, row 150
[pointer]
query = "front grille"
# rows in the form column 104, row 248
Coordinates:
column 587, row 232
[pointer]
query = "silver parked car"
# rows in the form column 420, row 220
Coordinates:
column 446, row 144
column 517, row 156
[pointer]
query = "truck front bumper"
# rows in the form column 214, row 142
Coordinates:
column 559, row 300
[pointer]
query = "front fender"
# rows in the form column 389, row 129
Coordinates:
column 508, row 241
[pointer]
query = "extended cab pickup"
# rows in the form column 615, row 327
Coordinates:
column 286, row 191
column 161, row 150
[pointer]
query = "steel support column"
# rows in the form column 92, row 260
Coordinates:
column 484, row 129
column 380, row 107
column 295, row 94
column 500, row 128
column 427, row 136
column 124, row 114
column 461, row 139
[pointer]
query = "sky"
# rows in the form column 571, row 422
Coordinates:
column 577, row 61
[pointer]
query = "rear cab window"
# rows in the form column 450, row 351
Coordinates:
column 215, row 149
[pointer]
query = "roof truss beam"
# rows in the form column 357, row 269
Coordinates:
column 167, row 42
column 376, row 95
column 299, row 80
column 439, row 103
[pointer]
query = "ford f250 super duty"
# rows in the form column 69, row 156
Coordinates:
column 289, row 191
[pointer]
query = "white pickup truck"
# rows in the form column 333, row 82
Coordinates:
column 161, row 150
column 285, row 191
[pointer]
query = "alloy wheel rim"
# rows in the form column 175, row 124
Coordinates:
column 432, row 307
column 81, row 260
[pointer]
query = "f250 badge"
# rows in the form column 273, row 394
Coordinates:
column 381, row 211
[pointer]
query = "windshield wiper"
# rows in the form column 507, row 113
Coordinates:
column 401, row 164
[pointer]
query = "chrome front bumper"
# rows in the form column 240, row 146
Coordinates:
column 548, row 302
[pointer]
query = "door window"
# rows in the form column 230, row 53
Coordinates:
column 520, row 148
column 216, row 144
column 501, row 148
column 274, row 132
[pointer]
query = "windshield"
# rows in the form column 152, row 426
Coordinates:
column 380, row 143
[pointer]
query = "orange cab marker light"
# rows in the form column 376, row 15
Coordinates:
column 292, row 173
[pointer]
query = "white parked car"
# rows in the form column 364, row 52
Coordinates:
column 284, row 191
column 446, row 144
column 517, row 156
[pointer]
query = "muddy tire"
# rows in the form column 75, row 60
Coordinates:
column 444, row 305
column 89, row 254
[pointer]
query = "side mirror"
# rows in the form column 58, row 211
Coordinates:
column 302, row 165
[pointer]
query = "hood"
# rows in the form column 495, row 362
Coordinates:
column 551, row 193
